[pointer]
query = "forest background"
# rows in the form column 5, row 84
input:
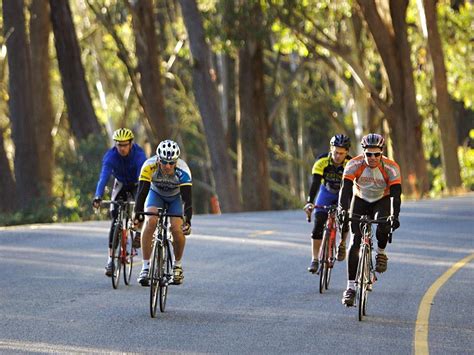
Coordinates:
column 252, row 90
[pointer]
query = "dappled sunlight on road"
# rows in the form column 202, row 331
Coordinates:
column 38, row 347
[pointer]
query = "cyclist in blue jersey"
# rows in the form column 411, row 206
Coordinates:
column 327, row 175
column 165, row 180
column 123, row 161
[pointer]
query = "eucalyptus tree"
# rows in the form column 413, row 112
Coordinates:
column 21, row 104
column 447, row 123
column 81, row 114
column 205, row 93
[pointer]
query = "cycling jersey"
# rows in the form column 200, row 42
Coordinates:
column 165, row 185
column 125, row 169
column 372, row 184
column 331, row 174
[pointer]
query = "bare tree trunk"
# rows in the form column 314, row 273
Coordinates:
column 402, row 115
column 205, row 93
column 446, row 121
column 149, row 67
column 81, row 113
column 21, row 104
column 7, row 202
column 40, row 28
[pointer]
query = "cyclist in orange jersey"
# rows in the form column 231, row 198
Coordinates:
column 371, row 185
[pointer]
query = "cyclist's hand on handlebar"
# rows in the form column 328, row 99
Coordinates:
column 341, row 216
column 186, row 228
column 96, row 202
column 308, row 208
column 138, row 219
column 395, row 222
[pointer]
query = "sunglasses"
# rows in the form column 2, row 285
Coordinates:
column 368, row 154
column 166, row 162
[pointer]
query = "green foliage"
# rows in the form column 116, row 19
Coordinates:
column 466, row 160
column 76, row 179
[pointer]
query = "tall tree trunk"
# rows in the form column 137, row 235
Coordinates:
column 446, row 121
column 402, row 115
column 40, row 28
column 149, row 67
column 253, row 155
column 81, row 113
column 7, row 202
column 205, row 93
column 21, row 104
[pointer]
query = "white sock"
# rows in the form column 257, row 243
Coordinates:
column 178, row 263
column 380, row 251
column 146, row 264
column 109, row 260
column 351, row 284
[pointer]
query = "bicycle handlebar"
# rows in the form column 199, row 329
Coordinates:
column 117, row 203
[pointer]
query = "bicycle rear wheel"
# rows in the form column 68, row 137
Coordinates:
column 323, row 267
column 363, row 282
column 154, row 277
column 166, row 270
column 116, row 255
column 128, row 256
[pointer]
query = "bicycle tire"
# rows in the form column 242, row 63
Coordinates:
column 128, row 257
column 362, row 285
column 331, row 259
column 367, row 273
column 116, row 257
column 166, row 269
column 323, row 268
column 154, row 278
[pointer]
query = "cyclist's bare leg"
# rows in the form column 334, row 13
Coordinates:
column 179, row 240
column 315, row 246
column 147, row 232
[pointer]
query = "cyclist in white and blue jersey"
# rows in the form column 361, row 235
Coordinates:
column 165, row 181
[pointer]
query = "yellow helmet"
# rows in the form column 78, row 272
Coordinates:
column 122, row 135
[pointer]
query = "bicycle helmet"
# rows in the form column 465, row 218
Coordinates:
column 122, row 135
column 340, row 140
column 168, row 150
column 372, row 140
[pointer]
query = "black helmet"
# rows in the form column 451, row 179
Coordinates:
column 372, row 140
column 340, row 140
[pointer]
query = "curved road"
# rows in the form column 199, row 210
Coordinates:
column 246, row 290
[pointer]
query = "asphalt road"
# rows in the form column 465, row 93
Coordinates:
column 246, row 290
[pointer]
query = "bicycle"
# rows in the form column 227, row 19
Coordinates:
column 327, row 251
column 162, row 260
column 365, row 276
column 122, row 242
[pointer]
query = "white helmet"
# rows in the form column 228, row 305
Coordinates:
column 168, row 150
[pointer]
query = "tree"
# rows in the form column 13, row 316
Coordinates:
column 7, row 203
column 252, row 113
column 21, row 104
column 205, row 93
column 149, row 67
column 81, row 114
column 446, row 121
column 40, row 28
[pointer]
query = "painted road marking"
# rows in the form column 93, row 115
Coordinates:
column 423, row 317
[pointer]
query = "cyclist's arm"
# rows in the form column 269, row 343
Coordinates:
column 395, row 197
column 186, row 195
column 345, row 194
column 142, row 192
column 105, row 173
column 314, row 187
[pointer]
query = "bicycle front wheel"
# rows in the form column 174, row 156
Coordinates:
column 363, row 281
column 331, row 259
column 323, row 267
column 165, row 275
column 116, row 251
column 154, row 277
column 127, row 256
